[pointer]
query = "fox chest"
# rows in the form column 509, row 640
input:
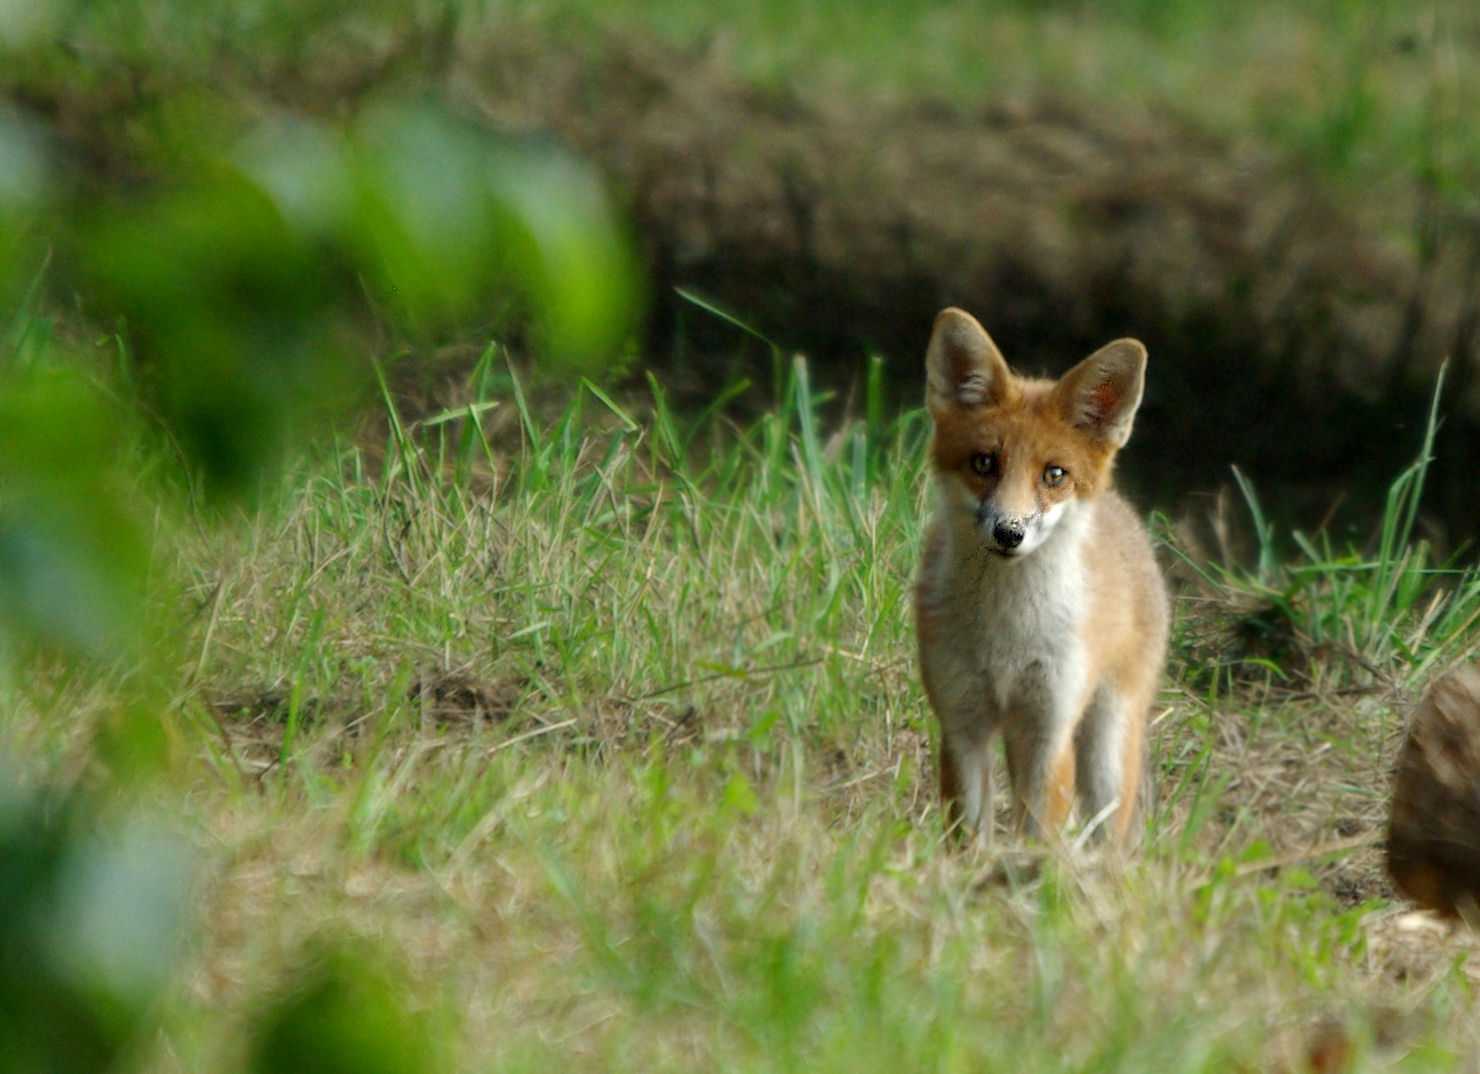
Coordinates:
column 1008, row 644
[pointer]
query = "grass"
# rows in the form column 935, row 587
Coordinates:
column 1385, row 612
column 1372, row 93
column 605, row 732
column 1354, row 87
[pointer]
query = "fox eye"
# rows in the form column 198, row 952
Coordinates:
column 1053, row 476
column 984, row 465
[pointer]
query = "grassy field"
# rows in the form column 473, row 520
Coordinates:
column 605, row 736
column 1365, row 90
column 588, row 736
column 1375, row 95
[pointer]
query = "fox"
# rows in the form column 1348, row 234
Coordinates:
column 1041, row 613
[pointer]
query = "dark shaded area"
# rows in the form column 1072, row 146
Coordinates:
column 1287, row 337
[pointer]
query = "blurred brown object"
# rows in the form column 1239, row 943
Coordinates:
column 1329, row 1050
column 1434, row 837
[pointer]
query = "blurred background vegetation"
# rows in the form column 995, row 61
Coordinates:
column 1279, row 199
column 225, row 227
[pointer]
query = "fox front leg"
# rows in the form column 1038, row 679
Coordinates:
column 1040, row 768
column 966, row 786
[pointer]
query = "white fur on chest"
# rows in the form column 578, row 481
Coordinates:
column 1014, row 624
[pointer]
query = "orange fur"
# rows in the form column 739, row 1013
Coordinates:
column 1060, row 788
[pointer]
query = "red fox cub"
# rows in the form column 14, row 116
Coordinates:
column 1040, row 610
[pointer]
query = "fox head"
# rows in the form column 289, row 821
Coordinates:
column 1020, row 456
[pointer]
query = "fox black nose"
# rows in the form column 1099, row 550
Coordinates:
column 1008, row 533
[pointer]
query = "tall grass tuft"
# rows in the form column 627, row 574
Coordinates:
column 1384, row 613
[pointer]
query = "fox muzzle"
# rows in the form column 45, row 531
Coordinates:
column 1008, row 533
column 1005, row 534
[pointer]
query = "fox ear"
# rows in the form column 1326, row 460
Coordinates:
column 1100, row 394
column 963, row 367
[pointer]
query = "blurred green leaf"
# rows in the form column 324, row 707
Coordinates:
column 422, row 220
column 342, row 1012
column 27, row 183
column 26, row 23
column 91, row 917
column 25, row 165
column 237, row 270
column 238, row 278
column 304, row 167
column 582, row 274
column 233, row 316
column 449, row 222
column 73, row 550
column 121, row 897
